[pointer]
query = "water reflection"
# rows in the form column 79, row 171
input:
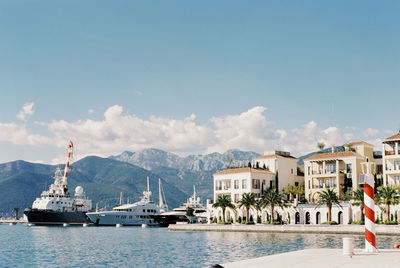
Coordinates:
column 151, row 247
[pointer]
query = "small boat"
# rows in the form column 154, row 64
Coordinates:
column 135, row 214
column 179, row 215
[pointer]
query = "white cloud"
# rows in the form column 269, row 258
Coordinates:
column 90, row 111
column 17, row 134
column 26, row 110
column 370, row 132
column 137, row 92
column 119, row 131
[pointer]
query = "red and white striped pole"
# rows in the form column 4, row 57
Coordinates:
column 69, row 158
column 369, row 204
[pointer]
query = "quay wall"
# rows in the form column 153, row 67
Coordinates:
column 299, row 228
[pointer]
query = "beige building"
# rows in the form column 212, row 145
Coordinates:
column 336, row 170
column 283, row 165
column 391, row 160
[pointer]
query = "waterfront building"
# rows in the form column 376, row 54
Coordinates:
column 339, row 171
column 283, row 165
column 273, row 170
column 391, row 160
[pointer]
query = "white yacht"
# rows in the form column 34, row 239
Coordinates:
column 179, row 214
column 135, row 214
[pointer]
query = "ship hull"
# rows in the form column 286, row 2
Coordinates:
column 112, row 219
column 50, row 217
column 165, row 220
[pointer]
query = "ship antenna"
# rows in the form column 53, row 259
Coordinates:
column 69, row 159
column 148, row 185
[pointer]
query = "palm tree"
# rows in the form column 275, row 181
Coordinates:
column 321, row 146
column 248, row 200
column 358, row 196
column 348, row 147
column 289, row 190
column 272, row 198
column 387, row 195
column 299, row 190
column 258, row 205
column 223, row 201
column 16, row 212
column 328, row 197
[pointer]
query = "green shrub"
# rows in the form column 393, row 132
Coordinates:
column 357, row 222
column 330, row 222
column 273, row 222
column 259, row 219
column 250, row 222
column 388, row 222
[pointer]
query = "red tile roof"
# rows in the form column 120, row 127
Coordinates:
column 394, row 137
column 243, row 170
column 274, row 156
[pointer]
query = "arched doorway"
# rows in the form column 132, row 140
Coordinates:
column 340, row 217
column 307, row 217
column 297, row 218
column 318, row 218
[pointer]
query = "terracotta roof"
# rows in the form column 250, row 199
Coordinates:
column 360, row 143
column 333, row 155
column 243, row 170
column 394, row 137
column 274, row 156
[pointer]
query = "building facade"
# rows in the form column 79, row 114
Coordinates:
column 338, row 171
column 283, row 165
column 391, row 160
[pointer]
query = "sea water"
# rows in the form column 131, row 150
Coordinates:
column 39, row 246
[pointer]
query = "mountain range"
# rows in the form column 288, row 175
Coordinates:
column 104, row 178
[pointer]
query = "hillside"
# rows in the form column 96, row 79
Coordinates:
column 103, row 179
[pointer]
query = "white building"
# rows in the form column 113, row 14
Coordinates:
column 391, row 160
column 283, row 165
column 237, row 181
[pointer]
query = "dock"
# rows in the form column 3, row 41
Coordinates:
column 328, row 258
column 295, row 228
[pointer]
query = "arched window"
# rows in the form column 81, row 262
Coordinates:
column 307, row 217
column 297, row 218
column 318, row 218
column 340, row 217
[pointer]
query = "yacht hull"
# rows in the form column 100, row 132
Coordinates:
column 112, row 219
column 51, row 217
column 165, row 220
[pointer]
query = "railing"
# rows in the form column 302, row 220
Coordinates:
column 393, row 152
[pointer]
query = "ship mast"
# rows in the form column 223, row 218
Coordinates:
column 66, row 169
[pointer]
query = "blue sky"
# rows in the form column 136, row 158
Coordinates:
column 335, row 64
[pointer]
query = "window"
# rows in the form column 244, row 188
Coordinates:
column 236, row 184
column 309, row 170
column 349, row 168
column 296, row 183
column 397, row 179
column 256, row 184
column 271, row 184
column 396, row 164
column 291, row 170
column 330, row 183
column 244, row 184
column 331, row 168
column 236, row 198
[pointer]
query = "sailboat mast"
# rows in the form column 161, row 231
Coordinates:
column 148, row 185
column 160, row 194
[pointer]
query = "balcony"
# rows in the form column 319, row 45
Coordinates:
column 392, row 152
